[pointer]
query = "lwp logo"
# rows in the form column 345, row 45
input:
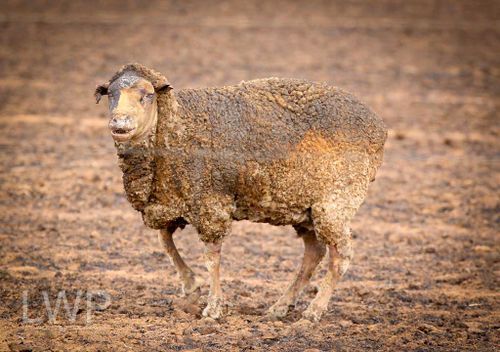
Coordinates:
column 95, row 300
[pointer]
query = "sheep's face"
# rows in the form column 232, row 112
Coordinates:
column 132, row 107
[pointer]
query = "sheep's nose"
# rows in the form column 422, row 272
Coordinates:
column 120, row 122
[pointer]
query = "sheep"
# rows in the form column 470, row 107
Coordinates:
column 278, row 151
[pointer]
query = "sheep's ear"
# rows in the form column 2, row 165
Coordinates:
column 100, row 90
column 163, row 87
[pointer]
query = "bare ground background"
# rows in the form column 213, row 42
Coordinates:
column 426, row 267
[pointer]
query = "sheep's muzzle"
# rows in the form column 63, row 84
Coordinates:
column 122, row 128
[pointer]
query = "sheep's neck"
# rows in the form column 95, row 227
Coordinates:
column 137, row 164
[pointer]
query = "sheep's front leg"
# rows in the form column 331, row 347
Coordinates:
column 213, row 222
column 190, row 283
column 215, row 304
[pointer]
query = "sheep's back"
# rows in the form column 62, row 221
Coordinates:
column 266, row 119
column 276, row 146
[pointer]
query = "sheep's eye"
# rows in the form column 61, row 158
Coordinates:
column 146, row 98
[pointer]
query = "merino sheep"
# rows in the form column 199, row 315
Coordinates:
column 279, row 151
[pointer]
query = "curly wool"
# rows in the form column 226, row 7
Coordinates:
column 267, row 150
column 155, row 78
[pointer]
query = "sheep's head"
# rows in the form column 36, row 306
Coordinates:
column 132, row 97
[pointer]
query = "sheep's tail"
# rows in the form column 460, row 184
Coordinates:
column 375, row 162
column 377, row 153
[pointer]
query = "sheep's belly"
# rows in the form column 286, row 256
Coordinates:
column 272, row 213
column 282, row 193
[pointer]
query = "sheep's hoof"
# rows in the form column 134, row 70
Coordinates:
column 312, row 315
column 192, row 292
column 278, row 310
column 215, row 308
column 303, row 325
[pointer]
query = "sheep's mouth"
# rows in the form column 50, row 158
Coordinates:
column 122, row 133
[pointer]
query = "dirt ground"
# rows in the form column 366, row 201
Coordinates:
column 426, row 266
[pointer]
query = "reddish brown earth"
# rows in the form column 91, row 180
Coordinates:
column 426, row 268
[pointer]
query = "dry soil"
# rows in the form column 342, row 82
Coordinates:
column 426, row 267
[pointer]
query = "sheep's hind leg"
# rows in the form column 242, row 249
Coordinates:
column 314, row 251
column 331, row 221
column 337, row 265
column 190, row 283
